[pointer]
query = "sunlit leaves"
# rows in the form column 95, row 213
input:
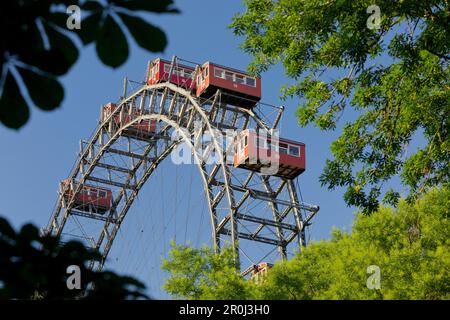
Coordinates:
column 201, row 274
column 410, row 245
column 395, row 79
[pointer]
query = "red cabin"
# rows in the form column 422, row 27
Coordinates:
column 253, row 151
column 259, row 271
column 142, row 129
column 241, row 89
column 90, row 198
column 159, row 69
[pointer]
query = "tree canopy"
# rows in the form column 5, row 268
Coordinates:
column 35, row 267
column 37, row 47
column 410, row 245
column 393, row 76
column 203, row 274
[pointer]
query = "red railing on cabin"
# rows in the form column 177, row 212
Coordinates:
column 254, row 148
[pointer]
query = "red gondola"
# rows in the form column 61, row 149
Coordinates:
column 241, row 89
column 261, row 267
column 158, row 71
column 143, row 129
column 259, row 271
column 90, row 198
column 251, row 151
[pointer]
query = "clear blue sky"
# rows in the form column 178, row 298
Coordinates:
column 34, row 159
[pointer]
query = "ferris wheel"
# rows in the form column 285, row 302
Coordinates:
column 208, row 116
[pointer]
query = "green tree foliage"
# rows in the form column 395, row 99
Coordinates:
column 395, row 78
column 410, row 245
column 201, row 274
column 37, row 47
column 35, row 267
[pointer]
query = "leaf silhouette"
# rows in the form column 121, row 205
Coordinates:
column 147, row 36
column 14, row 111
column 46, row 92
column 112, row 45
column 51, row 55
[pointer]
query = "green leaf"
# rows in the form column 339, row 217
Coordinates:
column 59, row 19
column 52, row 61
column 147, row 36
column 63, row 43
column 14, row 112
column 400, row 101
column 112, row 45
column 90, row 28
column 29, row 233
column 27, row 37
column 47, row 93
column 6, row 229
